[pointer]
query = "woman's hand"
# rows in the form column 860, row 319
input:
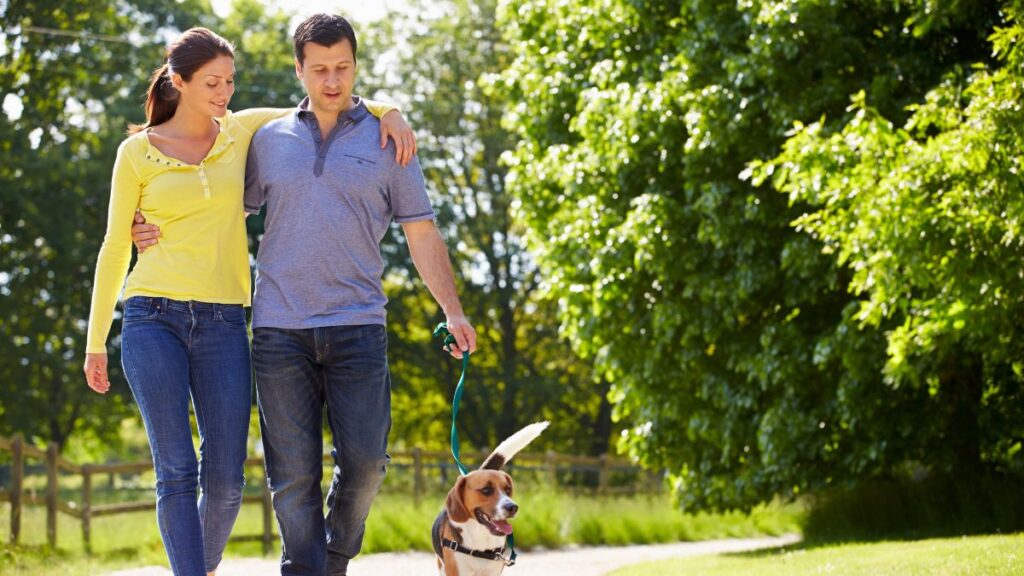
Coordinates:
column 393, row 125
column 96, row 372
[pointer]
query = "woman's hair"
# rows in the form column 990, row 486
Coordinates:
column 193, row 49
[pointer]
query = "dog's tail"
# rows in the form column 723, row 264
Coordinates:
column 512, row 445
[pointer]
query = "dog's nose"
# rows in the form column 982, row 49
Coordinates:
column 511, row 508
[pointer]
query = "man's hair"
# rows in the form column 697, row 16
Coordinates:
column 325, row 30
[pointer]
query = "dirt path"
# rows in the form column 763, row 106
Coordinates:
column 588, row 561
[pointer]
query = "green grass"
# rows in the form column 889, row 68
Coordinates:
column 988, row 555
column 547, row 519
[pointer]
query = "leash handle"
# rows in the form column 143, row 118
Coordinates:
column 448, row 340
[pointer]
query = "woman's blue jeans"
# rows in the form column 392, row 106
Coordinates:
column 175, row 352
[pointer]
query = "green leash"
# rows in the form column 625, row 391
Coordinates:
column 448, row 340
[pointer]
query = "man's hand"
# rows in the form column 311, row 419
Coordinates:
column 144, row 235
column 96, row 372
column 465, row 336
column 394, row 126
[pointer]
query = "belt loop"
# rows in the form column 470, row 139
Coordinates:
column 161, row 305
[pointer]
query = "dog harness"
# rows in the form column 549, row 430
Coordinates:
column 492, row 554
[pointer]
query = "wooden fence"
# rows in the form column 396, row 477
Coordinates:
column 553, row 467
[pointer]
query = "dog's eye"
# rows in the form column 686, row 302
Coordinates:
column 487, row 490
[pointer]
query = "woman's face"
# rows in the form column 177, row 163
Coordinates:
column 210, row 89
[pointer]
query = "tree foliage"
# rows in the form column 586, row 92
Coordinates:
column 72, row 73
column 725, row 329
column 928, row 219
column 523, row 372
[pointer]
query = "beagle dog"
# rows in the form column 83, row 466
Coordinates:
column 470, row 532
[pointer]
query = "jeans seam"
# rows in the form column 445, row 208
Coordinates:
column 200, row 410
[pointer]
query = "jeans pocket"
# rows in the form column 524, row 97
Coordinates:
column 232, row 316
column 139, row 309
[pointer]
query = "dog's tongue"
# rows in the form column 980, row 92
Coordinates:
column 503, row 526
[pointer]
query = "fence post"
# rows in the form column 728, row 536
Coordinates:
column 87, row 507
column 268, row 516
column 17, row 477
column 417, row 476
column 51, row 495
column 602, row 478
column 653, row 481
column 552, row 464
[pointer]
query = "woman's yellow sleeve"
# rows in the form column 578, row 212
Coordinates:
column 116, row 251
column 254, row 118
column 379, row 109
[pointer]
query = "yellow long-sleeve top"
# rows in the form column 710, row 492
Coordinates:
column 203, row 251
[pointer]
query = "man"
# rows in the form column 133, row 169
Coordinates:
column 318, row 311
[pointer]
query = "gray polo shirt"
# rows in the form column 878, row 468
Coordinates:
column 329, row 202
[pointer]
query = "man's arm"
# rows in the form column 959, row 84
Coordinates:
column 430, row 255
column 146, row 235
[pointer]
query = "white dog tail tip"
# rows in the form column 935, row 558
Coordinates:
column 512, row 445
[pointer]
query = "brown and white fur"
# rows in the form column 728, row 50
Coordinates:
column 477, row 512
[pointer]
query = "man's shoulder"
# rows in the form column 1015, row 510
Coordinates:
column 285, row 124
column 366, row 139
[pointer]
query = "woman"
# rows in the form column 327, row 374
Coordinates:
column 184, row 331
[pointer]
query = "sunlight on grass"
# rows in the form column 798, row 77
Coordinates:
column 988, row 555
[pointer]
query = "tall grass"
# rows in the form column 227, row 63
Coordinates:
column 547, row 519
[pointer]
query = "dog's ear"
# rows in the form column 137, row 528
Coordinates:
column 455, row 504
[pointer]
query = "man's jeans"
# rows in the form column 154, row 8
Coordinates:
column 172, row 351
column 297, row 373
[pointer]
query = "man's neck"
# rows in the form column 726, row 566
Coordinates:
column 328, row 120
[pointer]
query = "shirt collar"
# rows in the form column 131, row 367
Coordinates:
column 355, row 113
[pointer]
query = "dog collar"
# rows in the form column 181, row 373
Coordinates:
column 492, row 554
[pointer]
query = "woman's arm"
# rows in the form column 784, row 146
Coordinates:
column 111, row 265
column 393, row 125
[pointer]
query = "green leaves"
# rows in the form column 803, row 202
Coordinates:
column 753, row 335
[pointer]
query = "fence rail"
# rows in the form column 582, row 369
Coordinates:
column 550, row 465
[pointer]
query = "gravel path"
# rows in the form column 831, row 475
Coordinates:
column 583, row 561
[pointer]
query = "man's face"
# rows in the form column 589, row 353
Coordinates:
column 328, row 74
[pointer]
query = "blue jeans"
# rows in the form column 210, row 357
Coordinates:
column 298, row 372
column 172, row 352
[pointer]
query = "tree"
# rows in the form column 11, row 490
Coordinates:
column 720, row 326
column 523, row 372
column 73, row 73
column 928, row 219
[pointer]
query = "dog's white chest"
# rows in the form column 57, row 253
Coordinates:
column 472, row 566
